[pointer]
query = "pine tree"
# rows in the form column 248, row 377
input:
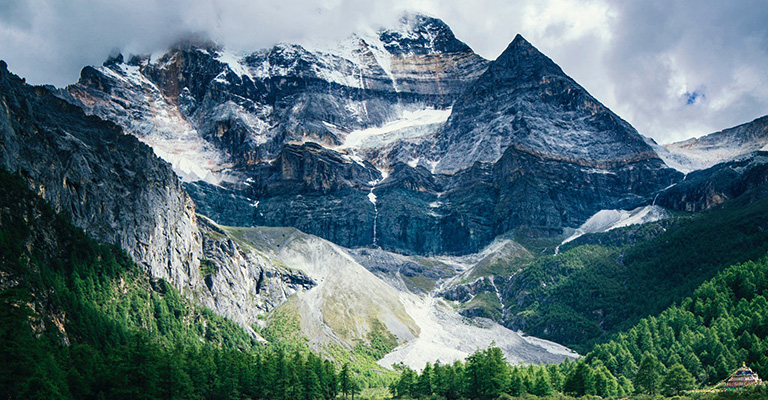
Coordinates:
column 677, row 380
column 542, row 385
column 424, row 382
column 580, row 381
column 345, row 381
column 282, row 376
column 457, row 382
column 295, row 370
column 404, row 385
column 174, row 381
column 648, row 375
column 516, row 384
column 473, row 375
column 312, row 388
column 556, row 377
column 494, row 369
column 440, row 379
column 605, row 382
column 331, row 388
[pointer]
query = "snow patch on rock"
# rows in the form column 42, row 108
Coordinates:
column 159, row 123
column 233, row 61
column 410, row 124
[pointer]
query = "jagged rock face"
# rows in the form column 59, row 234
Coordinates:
column 241, row 283
column 113, row 187
column 163, row 104
column 309, row 168
column 543, row 193
column 317, row 191
column 428, row 59
column 235, row 111
column 577, row 159
column 226, row 207
column 459, row 214
column 744, row 178
column 107, row 182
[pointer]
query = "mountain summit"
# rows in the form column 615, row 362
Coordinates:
column 421, row 34
column 524, row 100
column 384, row 140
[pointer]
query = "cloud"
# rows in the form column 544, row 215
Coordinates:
column 663, row 50
column 644, row 59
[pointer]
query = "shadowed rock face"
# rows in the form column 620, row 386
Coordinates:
column 524, row 147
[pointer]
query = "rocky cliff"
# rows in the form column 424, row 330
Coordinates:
column 116, row 189
column 109, row 183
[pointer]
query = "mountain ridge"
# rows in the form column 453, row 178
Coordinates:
column 529, row 88
column 276, row 129
column 721, row 146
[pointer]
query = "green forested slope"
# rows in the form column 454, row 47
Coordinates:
column 79, row 320
column 711, row 333
column 602, row 284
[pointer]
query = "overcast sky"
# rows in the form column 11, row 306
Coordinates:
column 673, row 69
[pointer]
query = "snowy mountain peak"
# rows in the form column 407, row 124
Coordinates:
column 527, row 103
column 421, row 34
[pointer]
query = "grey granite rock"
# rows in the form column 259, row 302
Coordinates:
column 118, row 191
